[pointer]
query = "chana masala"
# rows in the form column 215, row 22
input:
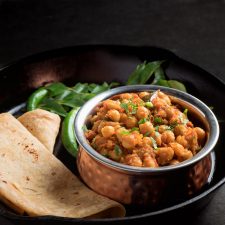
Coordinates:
column 144, row 129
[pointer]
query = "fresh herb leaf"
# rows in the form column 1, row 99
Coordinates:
column 154, row 144
column 158, row 120
column 143, row 72
column 159, row 75
column 162, row 82
column 117, row 150
column 125, row 132
column 149, row 105
column 173, row 125
column 185, row 112
column 114, row 84
column 177, row 85
column 52, row 106
column 146, row 134
column 143, row 120
column 134, row 129
column 125, row 107
column 56, row 89
column 100, row 88
column 133, row 107
column 81, row 88
column 157, row 128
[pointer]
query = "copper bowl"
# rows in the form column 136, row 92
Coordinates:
column 147, row 186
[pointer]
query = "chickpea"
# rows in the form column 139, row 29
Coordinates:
column 96, row 125
column 129, row 141
column 158, row 103
column 174, row 162
column 169, row 112
column 180, row 129
column 114, row 115
column 90, row 134
column 123, row 117
column 107, row 131
column 164, row 97
column 164, row 155
column 146, row 127
column 113, row 155
column 107, row 123
column 142, row 112
column 110, row 104
column 131, row 122
column 120, row 133
column 163, row 128
column 192, row 138
column 98, row 140
column 200, row 133
column 133, row 160
column 181, row 153
column 181, row 140
column 167, row 137
column 161, row 113
column 147, row 141
column 157, row 138
column 126, row 96
column 149, row 161
column 144, row 95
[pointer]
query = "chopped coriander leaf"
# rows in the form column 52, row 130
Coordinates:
column 146, row 134
column 117, row 150
column 185, row 112
column 149, row 105
column 133, row 107
column 125, row 132
column 173, row 125
column 143, row 120
column 156, row 128
column 125, row 107
column 154, row 144
column 182, row 120
column 158, row 120
column 134, row 129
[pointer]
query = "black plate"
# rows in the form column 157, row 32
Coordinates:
column 112, row 63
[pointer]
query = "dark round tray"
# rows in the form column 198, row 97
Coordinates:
column 113, row 63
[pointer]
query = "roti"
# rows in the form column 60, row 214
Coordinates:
column 43, row 124
column 34, row 182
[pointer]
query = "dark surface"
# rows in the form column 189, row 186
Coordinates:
column 90, row 64
column 192, row 29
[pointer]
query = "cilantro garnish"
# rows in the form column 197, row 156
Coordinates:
column 143, row 120
column 134, row 129
column 158, row 120
column 154, row 143
column 117, row 150
column 125, row 107
column 185, row 112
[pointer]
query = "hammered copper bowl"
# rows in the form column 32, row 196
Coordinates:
column 147, row 186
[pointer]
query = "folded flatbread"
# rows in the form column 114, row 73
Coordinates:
column 43, row 125
column 35, row 182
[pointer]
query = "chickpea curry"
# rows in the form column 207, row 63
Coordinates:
column 144, row 129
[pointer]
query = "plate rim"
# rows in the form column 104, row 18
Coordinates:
column 53, row 53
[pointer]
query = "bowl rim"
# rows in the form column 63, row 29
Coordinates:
column 87, row 108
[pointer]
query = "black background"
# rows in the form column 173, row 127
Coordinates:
column 192, row 29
